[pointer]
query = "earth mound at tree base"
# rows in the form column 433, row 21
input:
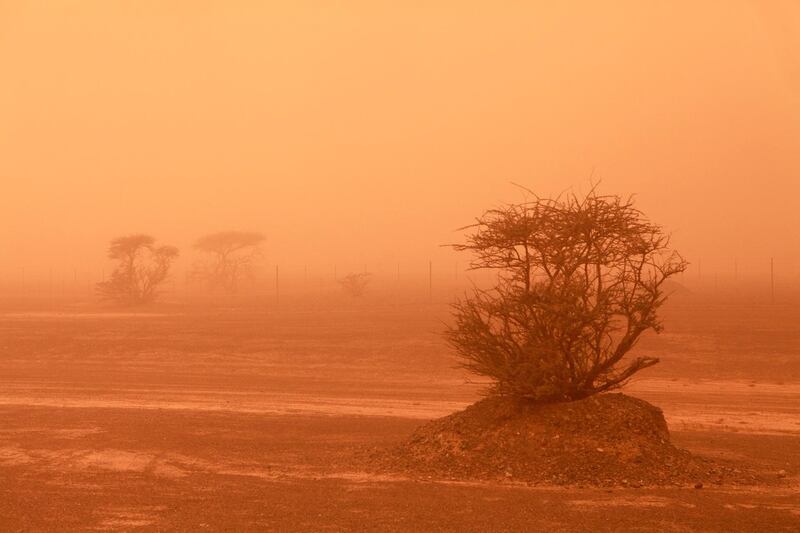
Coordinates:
column 604, row 440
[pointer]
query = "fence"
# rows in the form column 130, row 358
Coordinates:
column 429, row 280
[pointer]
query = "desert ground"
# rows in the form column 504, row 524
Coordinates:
column 258, row 416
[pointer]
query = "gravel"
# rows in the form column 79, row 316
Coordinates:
column 605, row 440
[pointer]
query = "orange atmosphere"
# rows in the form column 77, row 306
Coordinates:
column 366, row 132
column 403, row 266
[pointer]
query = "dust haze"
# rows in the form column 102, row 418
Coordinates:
column 365, row 132
column 227, row 262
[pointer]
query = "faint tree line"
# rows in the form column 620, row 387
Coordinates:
column 142, row 266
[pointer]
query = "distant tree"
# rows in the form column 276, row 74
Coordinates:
column 142, row 266
column 355, row 284
column 580, row 280
column 229, row 257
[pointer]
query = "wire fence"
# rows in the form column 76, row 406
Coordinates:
column 413, row 281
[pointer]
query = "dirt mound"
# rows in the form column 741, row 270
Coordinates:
column 606, row 440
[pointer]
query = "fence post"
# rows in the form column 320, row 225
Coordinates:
column 430, row 281
column 772, row 279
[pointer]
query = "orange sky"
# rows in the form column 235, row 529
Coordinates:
column 366, row 131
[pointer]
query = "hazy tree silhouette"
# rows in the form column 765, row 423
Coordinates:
column 579, row 280
column 142, row 267
column 355, row 284
column 230, row 257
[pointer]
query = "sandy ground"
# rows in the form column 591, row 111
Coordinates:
column 245, row 419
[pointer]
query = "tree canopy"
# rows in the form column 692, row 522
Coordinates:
column 142, row 266
column 580, row 279
column 230, row 256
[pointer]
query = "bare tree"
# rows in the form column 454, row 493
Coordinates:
column 142, row 267
column 355, row 284
column 230, row 257
column 580, row 279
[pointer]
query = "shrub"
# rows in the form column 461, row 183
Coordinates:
column 579, row 281
column 355, row 284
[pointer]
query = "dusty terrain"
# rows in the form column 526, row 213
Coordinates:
column 245, row 417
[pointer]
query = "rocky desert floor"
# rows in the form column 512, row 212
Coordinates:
column 257, row 418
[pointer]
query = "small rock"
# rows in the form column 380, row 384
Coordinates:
column 600, row 450
column 698, row 485
column 781, row 473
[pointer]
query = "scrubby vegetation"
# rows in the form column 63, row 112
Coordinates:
column 142, row 266
column 580, row 279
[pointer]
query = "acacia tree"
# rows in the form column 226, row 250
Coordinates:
column 142, row 267
column 355, row 284
column 230, row 257
column 580, row 279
